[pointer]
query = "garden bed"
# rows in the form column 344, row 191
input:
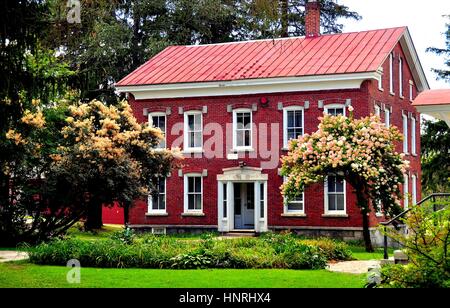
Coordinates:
column 124, row 250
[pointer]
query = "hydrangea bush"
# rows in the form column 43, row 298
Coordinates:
column 361, row 150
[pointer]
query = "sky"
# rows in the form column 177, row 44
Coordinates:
column 423, row 18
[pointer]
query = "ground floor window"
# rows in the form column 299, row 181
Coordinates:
column 193, row 187
column 262, row 199
column 296, row 205
column 157, row 199
column 335, row 195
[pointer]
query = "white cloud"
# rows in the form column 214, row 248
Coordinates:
column 424, row 19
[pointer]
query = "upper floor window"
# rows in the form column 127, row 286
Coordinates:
column 157, row 200
column 391, row 73
column 242, row 129
column 400, row 77
column 405, row 133
column 292, row 123
column 411, row 90
column 335, row 202
column 158, row 120
column 335, row 109
column 193, row 193
column 193, row 131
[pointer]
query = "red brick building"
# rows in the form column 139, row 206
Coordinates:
column 232, row 107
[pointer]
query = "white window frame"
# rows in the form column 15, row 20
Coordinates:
column 186, row 147
column 405, row 133
column 387, row 117
column 235, row 146
column 391, row 73
column 285, row 122
column 186, row 192
column 413, row 136
column 150, row 209
column 406, row 191
column 411, row 90
column 150, row 122
column 380, row 80
column 286, row 204
column 262, row 200
column 378, row 111
column 335, row 212
column 414, row 189
column 335, row 106
column 400, row 76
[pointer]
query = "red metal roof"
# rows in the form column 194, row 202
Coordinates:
column 290, row 57
column 433, row 97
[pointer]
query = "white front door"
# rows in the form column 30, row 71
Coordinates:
column 244, row 206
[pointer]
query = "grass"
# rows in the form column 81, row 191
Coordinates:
column 25, row 275
column 102, row 233
column 359, row 253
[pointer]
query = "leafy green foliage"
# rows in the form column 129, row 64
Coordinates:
column 435, row 145
column 444, row 73
column 427, row 246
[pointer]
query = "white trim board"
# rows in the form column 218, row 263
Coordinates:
column 250, row 86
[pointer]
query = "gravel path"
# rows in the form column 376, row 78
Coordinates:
column 353, row 267
column 6, row 256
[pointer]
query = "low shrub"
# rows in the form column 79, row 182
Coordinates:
column 427, row 246
column 127, row 250
column 333, row 250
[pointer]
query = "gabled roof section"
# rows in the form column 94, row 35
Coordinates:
column 326, row 55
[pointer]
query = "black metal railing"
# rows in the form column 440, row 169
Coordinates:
column 394, row 220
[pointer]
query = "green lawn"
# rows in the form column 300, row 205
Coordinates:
column 21, row 274
column 359, row 253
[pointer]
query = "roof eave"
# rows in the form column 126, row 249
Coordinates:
column 250, row 86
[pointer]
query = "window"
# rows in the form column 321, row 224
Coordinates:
column 405, row 133
column 335, row 109
column 414, row 189
column 377, row 111
column 391, row 73
column 292, row 123
column 193, row 127
column 242, row 129
column 158, row 120
column 380, row 80
column 335, row 195
column 400, row 77
column 262, row 199
column 296, row 206
column 157, row 200
column 193, row 186
column 406, row 191
column 411, row 90
column 387, row 117
column 225, row 200
column 413, row 136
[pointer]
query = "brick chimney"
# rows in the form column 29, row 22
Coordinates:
column 312, row 18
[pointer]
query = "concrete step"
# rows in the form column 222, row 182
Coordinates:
column 240, row 234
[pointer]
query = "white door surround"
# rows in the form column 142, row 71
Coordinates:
column 226, row 216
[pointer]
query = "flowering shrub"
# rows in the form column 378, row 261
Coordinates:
column 361, row 150
column 109, row 157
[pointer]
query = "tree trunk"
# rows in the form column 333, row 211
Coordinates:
column 366, row 232
column 126, row 208
column 363, row 204
column 94, row 219
column 284, row 18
